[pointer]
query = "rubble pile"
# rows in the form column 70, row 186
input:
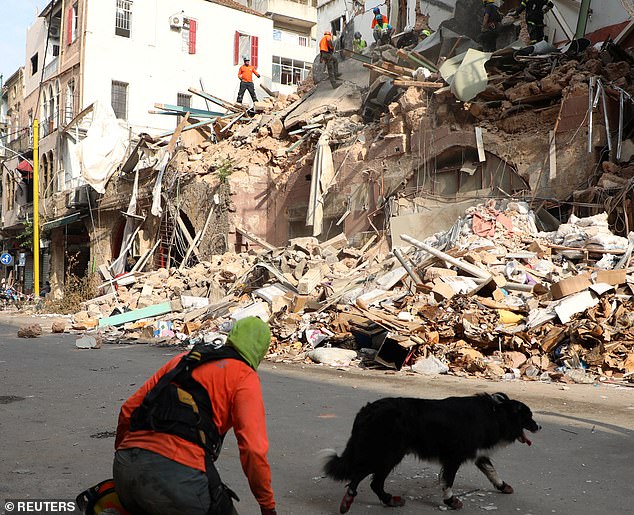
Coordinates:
column 493, row 297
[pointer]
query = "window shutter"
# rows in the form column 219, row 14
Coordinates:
column 236, row 48
column 254, row 51
column 192, row 36
column 69, row 26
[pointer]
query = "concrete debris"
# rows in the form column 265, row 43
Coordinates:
column 525, row 308
column 58, row 326
column 30, row 331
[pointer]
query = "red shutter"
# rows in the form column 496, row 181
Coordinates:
column 192, row 36
column 69, row 26
column 254, row 51
column 236, row 48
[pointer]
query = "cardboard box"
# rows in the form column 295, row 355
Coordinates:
column 569, row 286
column 613, row 277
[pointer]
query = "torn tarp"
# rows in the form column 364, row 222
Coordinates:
column 322, row 179
column 103, row 149
column 465, row 73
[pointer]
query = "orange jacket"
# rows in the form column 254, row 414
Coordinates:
column 385, row 22
column 245, row 73
column 325, row 45
column 236, row 396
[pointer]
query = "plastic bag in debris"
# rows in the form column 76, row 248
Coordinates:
column 514, row 273
column 430, row 366
column 332, row 356
column 607, row 242
column 600, row 220
column 607, row 262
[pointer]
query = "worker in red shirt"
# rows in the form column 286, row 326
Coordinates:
column 171, row 430
column 327, row 56
column 245, row 74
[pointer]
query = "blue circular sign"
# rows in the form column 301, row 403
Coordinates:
column 6, row 259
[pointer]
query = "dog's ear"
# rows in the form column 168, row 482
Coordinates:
column 499, row 397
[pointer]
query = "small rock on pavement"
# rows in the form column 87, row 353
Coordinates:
column 30, row 331
column 88, row 342
column 58, row 326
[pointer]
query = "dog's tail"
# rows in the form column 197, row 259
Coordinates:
column 335, row 467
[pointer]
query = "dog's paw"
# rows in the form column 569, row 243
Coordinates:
column 453, row 502
column 395, row 501
column 346, row 502
column 505, row 488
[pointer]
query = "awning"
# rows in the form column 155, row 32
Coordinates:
column 61, row 222
column 25, row 166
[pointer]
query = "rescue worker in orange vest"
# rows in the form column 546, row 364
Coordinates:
column 245, row 74
column 327, row 56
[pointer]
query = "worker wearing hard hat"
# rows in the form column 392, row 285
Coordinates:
column 245, row 74
column 327, row 56
column 358, row 43
column 382, row 30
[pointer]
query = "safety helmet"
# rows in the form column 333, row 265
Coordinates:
column 426, row 32
column 376, row 10
column 327, row 33
column 357, row 35
column 379, row 17
column 246, row 58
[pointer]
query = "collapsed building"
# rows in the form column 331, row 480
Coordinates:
column 415, row 211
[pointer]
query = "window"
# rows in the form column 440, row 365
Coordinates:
column 123, row 19
column 245, row 46
column 72, row 19
column 34, row 64
column 188, row 33
column 302, row 40
column 183, row 100
column 69, row 110
column 55, row 50
column 289, row 71
column 119, row 99
column 336, row 25
column 277, row 35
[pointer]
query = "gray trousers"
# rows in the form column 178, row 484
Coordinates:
column 150, row 484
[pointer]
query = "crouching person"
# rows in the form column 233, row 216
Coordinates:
column 171, row 430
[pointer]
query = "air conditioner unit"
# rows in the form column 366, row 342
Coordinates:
column 77, row 198
column 54, row 31
column 176, row 21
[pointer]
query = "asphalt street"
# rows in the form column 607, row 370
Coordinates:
column 59, row 406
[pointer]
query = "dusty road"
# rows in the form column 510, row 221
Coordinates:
column 59, row 407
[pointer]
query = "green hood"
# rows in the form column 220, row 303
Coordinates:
column 251, row 338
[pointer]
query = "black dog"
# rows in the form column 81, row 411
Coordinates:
column 450, row 431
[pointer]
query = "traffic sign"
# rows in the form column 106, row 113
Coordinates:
column 6, row 259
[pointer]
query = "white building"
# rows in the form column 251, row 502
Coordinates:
column 295, row 42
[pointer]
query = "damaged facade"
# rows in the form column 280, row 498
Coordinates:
column 422, row 198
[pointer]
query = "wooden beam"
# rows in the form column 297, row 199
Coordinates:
column 380, row 70
column 222, row 103
column 418, row 84
column 179, row 128
column 139, row 314
column 255, row 239
column 193, row 247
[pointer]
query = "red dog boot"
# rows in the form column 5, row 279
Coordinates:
column 505, row 488
column 453, row 502
column 346, row 502
column 396, row 501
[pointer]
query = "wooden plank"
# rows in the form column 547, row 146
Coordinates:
column 310, row 280
column 418, row 84
column 255, row 239
column 552, row 156
column 194, row 244
column 185, row 232
column 103, row 269
column 223, row 103
column 139, row 314
column 380, row 70
column 478, row 134
column 179, row 128
column 338, row 242
column 402, row 70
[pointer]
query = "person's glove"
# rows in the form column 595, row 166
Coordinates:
column 268, row 511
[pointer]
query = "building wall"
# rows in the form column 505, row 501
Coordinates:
column 155, row 64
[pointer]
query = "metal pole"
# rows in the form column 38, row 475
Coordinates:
column 582, row 20
column 36, row 209
column 407, row 266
